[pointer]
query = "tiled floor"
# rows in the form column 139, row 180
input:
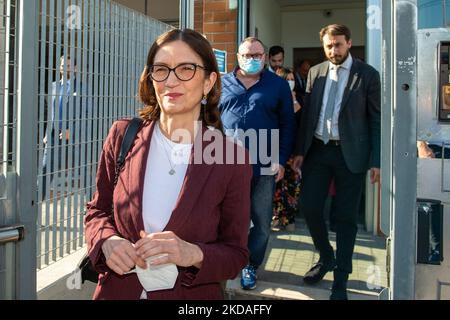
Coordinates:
column 290, row 255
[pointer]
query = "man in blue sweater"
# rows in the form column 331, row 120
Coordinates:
column 257, row 109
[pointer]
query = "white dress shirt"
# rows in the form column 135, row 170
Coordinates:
column 344, row 74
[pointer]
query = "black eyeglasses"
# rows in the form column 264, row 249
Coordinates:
column 184, row 71
column 256, row 56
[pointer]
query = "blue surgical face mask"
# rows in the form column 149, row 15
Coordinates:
column 250, row 66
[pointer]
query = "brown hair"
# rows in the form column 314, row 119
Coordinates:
column 335, row 30
column 283, row 72
column 210, row 114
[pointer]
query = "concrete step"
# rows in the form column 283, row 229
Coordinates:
column 277, row 291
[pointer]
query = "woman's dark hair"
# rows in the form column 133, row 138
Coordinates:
column 210, row 114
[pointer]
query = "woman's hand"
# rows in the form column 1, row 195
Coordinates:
column 297, row 105
column 176, row 250
column 121, row 255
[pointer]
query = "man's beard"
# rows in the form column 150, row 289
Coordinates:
column 338, row 60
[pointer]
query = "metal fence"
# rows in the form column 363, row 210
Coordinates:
column 8, row 139
column 91, row 55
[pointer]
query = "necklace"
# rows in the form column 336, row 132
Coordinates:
column 172, row 168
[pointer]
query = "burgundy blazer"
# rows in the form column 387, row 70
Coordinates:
column 212, row 211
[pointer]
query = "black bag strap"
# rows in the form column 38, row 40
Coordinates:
column 87, row 270
column 128, row 138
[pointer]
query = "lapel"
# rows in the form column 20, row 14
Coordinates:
column 194, row 180
column 138, row 164
column 353, row 77
column 320, row 82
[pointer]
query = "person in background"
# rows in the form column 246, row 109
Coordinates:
column 287, row 189
column 339, row 137
column 64, row 110
column 256, row 100
column 276, row 58
column 301, row 78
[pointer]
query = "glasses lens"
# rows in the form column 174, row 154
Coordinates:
column 185, row 71
column 159, row 73
column 256, row 56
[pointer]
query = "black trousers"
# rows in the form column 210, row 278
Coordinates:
column 322, row 163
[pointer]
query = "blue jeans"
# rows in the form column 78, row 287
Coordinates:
column 262, row 191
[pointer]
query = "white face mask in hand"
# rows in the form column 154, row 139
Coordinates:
column 159, row 277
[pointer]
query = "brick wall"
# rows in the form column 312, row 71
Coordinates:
column 218, row 23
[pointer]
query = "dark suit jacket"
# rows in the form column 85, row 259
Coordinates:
column 212, row 211
column 300, row 89
column 75, row 109
column 359, row 118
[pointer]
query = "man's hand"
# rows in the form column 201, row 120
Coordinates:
column 176, row 250
column 374, row 175
column 423, row 150
column 121, row 255
column 65, row 135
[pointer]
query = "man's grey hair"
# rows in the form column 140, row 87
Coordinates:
column 252, row 40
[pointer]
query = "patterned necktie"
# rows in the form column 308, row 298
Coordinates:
column 329, row 109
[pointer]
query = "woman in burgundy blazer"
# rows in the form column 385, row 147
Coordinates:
column 208, row 227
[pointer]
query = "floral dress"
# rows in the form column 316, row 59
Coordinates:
column 287, row 192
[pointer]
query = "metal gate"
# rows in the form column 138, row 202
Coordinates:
column 68, row 69
column 92, row 53
column 18, row 123
column 8, row 154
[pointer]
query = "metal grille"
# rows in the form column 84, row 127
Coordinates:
column 78, row 101
column 8, row 135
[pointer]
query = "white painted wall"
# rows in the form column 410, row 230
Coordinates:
column 266, row 16
column 300, row 27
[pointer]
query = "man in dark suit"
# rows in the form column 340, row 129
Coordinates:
column 339, row 137
column 301, row 79
column 65, row 108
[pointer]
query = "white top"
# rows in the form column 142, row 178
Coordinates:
column 344, row 74
column 161, row 190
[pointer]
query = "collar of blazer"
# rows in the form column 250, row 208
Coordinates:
column 196, row 177
column 352, row 79
column 354, row 74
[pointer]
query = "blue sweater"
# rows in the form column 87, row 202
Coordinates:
column 266, row 105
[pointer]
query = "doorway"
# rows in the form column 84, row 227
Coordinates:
column 295, row 26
